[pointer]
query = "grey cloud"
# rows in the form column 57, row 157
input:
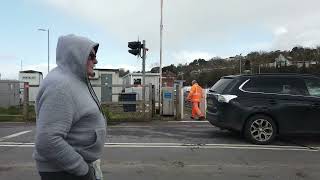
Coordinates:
column 199, row 21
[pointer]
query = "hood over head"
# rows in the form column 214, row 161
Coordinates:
column 72, row 54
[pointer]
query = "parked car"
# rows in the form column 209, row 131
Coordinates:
column 266, row 105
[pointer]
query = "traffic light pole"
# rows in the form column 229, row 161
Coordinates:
column 135, row 49
column 144, row 76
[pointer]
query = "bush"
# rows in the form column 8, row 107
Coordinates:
column 116, row 114
column 15, row 113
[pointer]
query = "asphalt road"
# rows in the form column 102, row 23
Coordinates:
column 174, row 150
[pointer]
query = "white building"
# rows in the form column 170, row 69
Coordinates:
column 102, row 77
column 136, row 79
column 307, row 64
column 34, row 78
column 282, row 61
column 106, row 77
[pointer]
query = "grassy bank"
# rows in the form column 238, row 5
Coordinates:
column 114, row 114
column 15, row 114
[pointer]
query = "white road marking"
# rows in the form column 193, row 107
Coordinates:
column 181, row 145
column 131, row 126
column 13, row 135
column 189, row 121
column 155, row 126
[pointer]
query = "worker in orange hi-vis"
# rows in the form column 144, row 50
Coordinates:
column 195, row 96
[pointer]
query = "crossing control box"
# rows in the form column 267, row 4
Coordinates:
column 168, row 101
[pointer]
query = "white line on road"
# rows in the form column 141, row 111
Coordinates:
column 171, row 124
column 189, row 121
column 181, row 145
column 155, row 126
column 212, row 147
column 13, row 135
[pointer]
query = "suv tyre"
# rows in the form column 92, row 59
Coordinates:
column 260, row 129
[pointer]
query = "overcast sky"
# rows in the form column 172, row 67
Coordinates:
column 192, row 29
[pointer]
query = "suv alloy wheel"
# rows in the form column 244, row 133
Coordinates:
column 260, row 129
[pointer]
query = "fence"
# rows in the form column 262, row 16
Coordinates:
column 132, row 102
column 14, row 101
column 128, row 102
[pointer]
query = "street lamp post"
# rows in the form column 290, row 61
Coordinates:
column 47, row 30
column 161, row 51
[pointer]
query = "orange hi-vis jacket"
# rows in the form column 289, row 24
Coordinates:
column 195, row 94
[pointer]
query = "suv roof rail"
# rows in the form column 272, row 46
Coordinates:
column 270, row 74
column 282, row 74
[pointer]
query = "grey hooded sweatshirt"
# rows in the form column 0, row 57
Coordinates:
column 71, row 128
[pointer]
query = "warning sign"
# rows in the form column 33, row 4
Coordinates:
column 167, row 95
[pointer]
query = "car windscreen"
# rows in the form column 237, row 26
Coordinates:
column 221, row 85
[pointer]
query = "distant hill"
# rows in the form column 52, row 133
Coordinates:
column 207, row 72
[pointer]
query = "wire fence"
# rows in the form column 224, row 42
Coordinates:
column 120, row 102
column 14, row 101
column 129, row 102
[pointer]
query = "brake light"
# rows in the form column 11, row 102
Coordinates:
column 226, row 98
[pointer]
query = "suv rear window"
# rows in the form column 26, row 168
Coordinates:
column 313, row 86
column 277, row 85
column 221, row 85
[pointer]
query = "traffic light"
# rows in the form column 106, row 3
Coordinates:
column 247, row 65
column 135, row 47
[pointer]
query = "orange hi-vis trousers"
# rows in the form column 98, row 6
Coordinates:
column 196, row 110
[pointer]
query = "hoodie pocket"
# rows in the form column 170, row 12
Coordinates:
column 93, row 151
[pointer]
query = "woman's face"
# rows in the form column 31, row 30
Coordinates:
column 91, row 62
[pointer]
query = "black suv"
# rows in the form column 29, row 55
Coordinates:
column 262, row 106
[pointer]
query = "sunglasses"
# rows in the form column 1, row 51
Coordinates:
column 92, row 56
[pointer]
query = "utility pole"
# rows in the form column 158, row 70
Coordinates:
column 48, row 50
column 160, row 68
column 144, row 75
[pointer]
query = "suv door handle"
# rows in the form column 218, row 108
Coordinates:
column 273, row 102
column 315, row 105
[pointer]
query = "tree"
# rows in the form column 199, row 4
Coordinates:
column 155, row 70
column 318, row 54
column 122, row 72
column 172, row 68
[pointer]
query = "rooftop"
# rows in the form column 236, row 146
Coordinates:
column 30, row 71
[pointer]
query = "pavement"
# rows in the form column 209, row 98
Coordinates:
column 174, row 150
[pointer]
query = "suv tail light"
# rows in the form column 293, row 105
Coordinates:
column 226, row 98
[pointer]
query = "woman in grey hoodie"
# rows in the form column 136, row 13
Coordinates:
column 71, row 127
